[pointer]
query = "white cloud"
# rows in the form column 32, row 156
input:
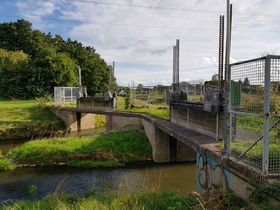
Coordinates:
column 34, row 10
column 145, row 36
column 210, row 60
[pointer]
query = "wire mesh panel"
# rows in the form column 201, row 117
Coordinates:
column 254, row 113
column 246, row 108
column 274, row 129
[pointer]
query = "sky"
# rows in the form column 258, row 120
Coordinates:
column 139, row 34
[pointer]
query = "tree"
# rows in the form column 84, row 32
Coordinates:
column 246, row 85
column 14, row 74
column 53, row 60
column 215, row 80
column 140, row 88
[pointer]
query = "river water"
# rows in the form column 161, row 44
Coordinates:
column 16, row 184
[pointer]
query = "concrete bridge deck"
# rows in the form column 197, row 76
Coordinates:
column 189, row 137
column 170, row 139
column 199, row 142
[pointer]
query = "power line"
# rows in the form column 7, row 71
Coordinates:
column 147, row 26
column 145, row 7
column 171, row 8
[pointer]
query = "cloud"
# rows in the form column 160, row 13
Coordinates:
column 34, row 10
column 145, row 34
column 210, row 60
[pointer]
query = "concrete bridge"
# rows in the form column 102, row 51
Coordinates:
column 191, row 134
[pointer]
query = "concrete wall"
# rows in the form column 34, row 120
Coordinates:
column 117, row 122
column 209, row 173
column 96, row 103
column 75, row 121
column 197, row 119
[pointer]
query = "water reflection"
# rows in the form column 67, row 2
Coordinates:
column 15, row 184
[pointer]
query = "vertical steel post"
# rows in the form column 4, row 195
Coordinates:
column 174, row 67
column 177, row 64
column 113, row 70
column 221, row 51
column 266, row 116
column 221, row 68
column 227, row 120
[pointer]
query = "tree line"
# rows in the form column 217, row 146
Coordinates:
column 32, row 63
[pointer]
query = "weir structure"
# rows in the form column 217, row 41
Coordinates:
column 232, row 134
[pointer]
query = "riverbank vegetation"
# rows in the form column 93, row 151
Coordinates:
column 211, row 199
column 27, row 119
column 107, row 150
column 111, row 201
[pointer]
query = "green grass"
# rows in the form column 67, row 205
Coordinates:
column 257, row 151
column 100, row 121
column 27, row 119
column 154, row 110
column 112, row 201
column 120, row 146
column 6, row 164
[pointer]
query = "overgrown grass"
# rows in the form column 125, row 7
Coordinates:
column 116, row 147
column 112, row 201
column 27, row 119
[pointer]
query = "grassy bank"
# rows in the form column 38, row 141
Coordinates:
column 107, row 150
column 159, row 110
column 112, row 201
column 211, row 199
column 25, row 119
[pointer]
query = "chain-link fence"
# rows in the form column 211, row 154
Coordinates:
column 254, row 119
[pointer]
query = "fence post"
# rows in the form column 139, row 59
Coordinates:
column 265, row 166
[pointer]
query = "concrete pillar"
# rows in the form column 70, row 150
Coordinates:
column 185, row 153
column 172, row 149
column 161, row 146
column 159, row 142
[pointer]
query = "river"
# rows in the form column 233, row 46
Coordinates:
column 15, row 184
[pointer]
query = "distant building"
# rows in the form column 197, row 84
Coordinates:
column 121, row 93
column 163, row 89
